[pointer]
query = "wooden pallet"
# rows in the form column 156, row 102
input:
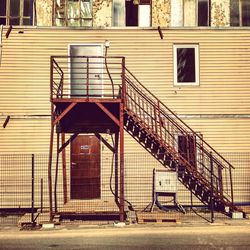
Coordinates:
column 89, row 206
column 40, row 218
column 157, row 217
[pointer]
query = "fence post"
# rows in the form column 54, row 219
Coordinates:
column 32, row 191
column 212, row 187
column 41, row 208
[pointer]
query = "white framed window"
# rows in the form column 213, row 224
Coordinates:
column 186, row 64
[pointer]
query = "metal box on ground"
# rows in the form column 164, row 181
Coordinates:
column 165, row 181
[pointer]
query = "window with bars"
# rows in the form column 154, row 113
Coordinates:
column 73, row 13
column 240, row 13
column 16, row 12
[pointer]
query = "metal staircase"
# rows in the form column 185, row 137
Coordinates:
column 97, row 83
column 206, row 173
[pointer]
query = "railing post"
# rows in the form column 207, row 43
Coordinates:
column 87, row 87
column 62, row 86
column 231, row 184
column 41, row 198
column 155, row 117
column 159, row 117
column 123, row 96
column 212, row 187
column 32, row 187
column 220, row 179
column 51, row 78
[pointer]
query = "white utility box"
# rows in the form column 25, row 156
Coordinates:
column 165, row 181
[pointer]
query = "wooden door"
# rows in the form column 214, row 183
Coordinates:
column 85, row 167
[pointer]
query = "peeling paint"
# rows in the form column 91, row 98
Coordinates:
column 161, row 13
column 44, row 12
column 220, row 13
column 102, row 13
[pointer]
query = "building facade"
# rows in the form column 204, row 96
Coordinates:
column 192, row 54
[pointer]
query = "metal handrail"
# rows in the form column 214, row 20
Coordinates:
column 164, row 112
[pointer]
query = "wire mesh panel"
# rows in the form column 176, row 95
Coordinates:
column 16, row 188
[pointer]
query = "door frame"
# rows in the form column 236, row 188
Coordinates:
column 69, row 63
column 101, row 179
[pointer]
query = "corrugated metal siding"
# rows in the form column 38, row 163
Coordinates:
column 224, row 77
column 224, row 67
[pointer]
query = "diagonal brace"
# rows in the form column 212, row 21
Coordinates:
column 72, row 138
column 111, row 116
column 112, row 149
column 72, row 105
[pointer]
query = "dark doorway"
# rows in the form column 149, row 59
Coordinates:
column 85, row 168
column 131, row 13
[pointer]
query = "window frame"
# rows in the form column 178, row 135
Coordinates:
column 196, row 48
column 21, row 16
column 240, row 6
column 66, row 18
column 196, row 14
column 208, row 14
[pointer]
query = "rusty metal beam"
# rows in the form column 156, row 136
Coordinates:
column 92, row 100
column 72, row 105
column 50, row 164
column 112, row 149
column 64, row 170
column 121, row 211
column 110, row 115
column 116, row 166
column 65, row 144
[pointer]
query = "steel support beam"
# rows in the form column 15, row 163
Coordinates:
column 50, row 163
column 65, row 191
column 105, row 142
column 107, row 112
column 72, row 105
column 121, row 162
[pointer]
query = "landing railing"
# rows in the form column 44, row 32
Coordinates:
column 187, row 146
column 85, row 77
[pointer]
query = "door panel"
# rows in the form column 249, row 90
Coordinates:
column 187, row 148
column 85, row 167
column 82, row 72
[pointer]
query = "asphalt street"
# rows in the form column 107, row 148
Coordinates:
column 130, row 237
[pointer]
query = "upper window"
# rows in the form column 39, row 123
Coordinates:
column 132, row 13
column 16, row 12
column 73, row 13
column 190, row 13
column 203, row 17
column 186, row 64
column 240, row 13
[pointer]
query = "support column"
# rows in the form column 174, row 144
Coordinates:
column 50, row 163
column 121, row 163
column 56, row 173
column 116, row 165
column 65, row 190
